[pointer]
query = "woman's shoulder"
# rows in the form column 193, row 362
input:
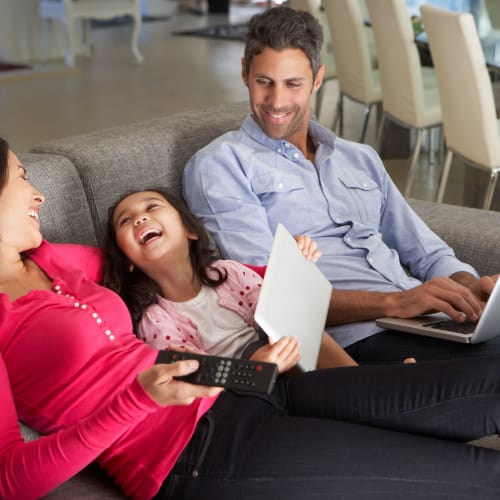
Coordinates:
column 63, row 256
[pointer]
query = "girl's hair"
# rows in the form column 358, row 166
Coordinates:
column 135, row 287
column 4, row 158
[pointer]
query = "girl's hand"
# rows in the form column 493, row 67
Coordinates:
column 158, row 381
column 308, row 247
column 285, row 353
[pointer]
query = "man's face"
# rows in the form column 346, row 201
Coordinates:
column 280, row 85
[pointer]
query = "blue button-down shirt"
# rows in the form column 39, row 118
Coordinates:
column 244, row 183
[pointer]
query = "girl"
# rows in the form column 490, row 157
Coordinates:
column 159, row 259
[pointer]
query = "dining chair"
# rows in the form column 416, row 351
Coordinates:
column 358, row 79
column 470, row 124
column 410, row 96
column 327, row 58
column 69, row 12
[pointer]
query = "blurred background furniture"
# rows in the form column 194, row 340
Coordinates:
column 327, row 57
column 410, row 96
column 69, row 12
column 470, row 123
column 356, row 65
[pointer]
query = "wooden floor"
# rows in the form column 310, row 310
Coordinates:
column 179, row 73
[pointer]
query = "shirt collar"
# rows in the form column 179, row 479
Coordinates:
column 320, row 135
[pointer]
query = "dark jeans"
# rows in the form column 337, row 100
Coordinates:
column 314, row 437
column 393, row 346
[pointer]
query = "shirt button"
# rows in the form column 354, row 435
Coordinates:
column 371, row 261
column 348, row 239
column 76, row 304
column 280, row 185
column 364, row 184
column 295, row 155
column 279, row 150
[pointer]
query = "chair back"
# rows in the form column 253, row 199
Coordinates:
column 355, row 73
column 399, row 62
column 467, row 100
column 327, row 56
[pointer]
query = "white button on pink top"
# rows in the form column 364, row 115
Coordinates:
column 76, row 304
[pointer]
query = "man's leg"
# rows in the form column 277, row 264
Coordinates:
column 391, row 346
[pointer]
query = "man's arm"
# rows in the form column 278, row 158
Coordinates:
column 458, row 296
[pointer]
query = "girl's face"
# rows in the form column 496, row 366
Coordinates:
column 19, row 205
column 148, row 228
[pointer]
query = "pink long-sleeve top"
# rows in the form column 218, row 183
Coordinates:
column 68, row 368
column 163, row 326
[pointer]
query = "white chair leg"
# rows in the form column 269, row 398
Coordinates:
column 319, row 100
column 380, row 134
column 135, row 39
column 338, row 114
column 444, row 176
column 70, row 42
column 413, row 163
column 364, row 125
column 490, row 190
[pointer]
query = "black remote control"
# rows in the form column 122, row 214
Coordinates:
column 231, row 373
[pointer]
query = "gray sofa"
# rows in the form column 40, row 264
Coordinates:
column 82, row 175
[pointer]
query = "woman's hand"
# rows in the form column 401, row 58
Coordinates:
column 158, row 381
column 285, row 353
column 308, row 247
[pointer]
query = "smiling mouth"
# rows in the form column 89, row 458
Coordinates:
column 149, row 234
column 33, row 214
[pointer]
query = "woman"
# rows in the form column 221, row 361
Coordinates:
column 71, row 367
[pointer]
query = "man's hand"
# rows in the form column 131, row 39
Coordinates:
column 285, row 353
column 158, row 381
column 460, row 296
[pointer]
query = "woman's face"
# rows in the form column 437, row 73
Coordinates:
column 19, row 205
column 148, row 228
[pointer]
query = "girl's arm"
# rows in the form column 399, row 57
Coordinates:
column 331, row 355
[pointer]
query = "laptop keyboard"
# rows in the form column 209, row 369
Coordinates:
column 465, row 328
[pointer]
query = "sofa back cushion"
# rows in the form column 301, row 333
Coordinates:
column 65, row 215
column 114, row 161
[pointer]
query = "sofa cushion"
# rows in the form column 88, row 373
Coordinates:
column 473, row 233
column 152, row 153
column 65, row 215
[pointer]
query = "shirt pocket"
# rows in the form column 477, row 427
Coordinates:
column 276, row 182
column 363, row 200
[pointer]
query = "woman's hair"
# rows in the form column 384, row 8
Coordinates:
column 283, row 28
column 4, row 157
column 136, row 288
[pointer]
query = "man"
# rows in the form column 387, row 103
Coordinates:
column 283, row 167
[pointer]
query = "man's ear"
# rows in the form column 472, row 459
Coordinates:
column 244, row 74
column 318, row 80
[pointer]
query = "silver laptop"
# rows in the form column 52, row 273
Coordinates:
column 294, row 298
column 442, row 326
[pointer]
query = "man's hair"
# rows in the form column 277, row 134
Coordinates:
column 136, row 288
column 282, row 28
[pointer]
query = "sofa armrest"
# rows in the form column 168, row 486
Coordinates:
column 473, row 233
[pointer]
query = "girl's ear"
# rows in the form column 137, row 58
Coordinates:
column 131, row 267
column 192, row 236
